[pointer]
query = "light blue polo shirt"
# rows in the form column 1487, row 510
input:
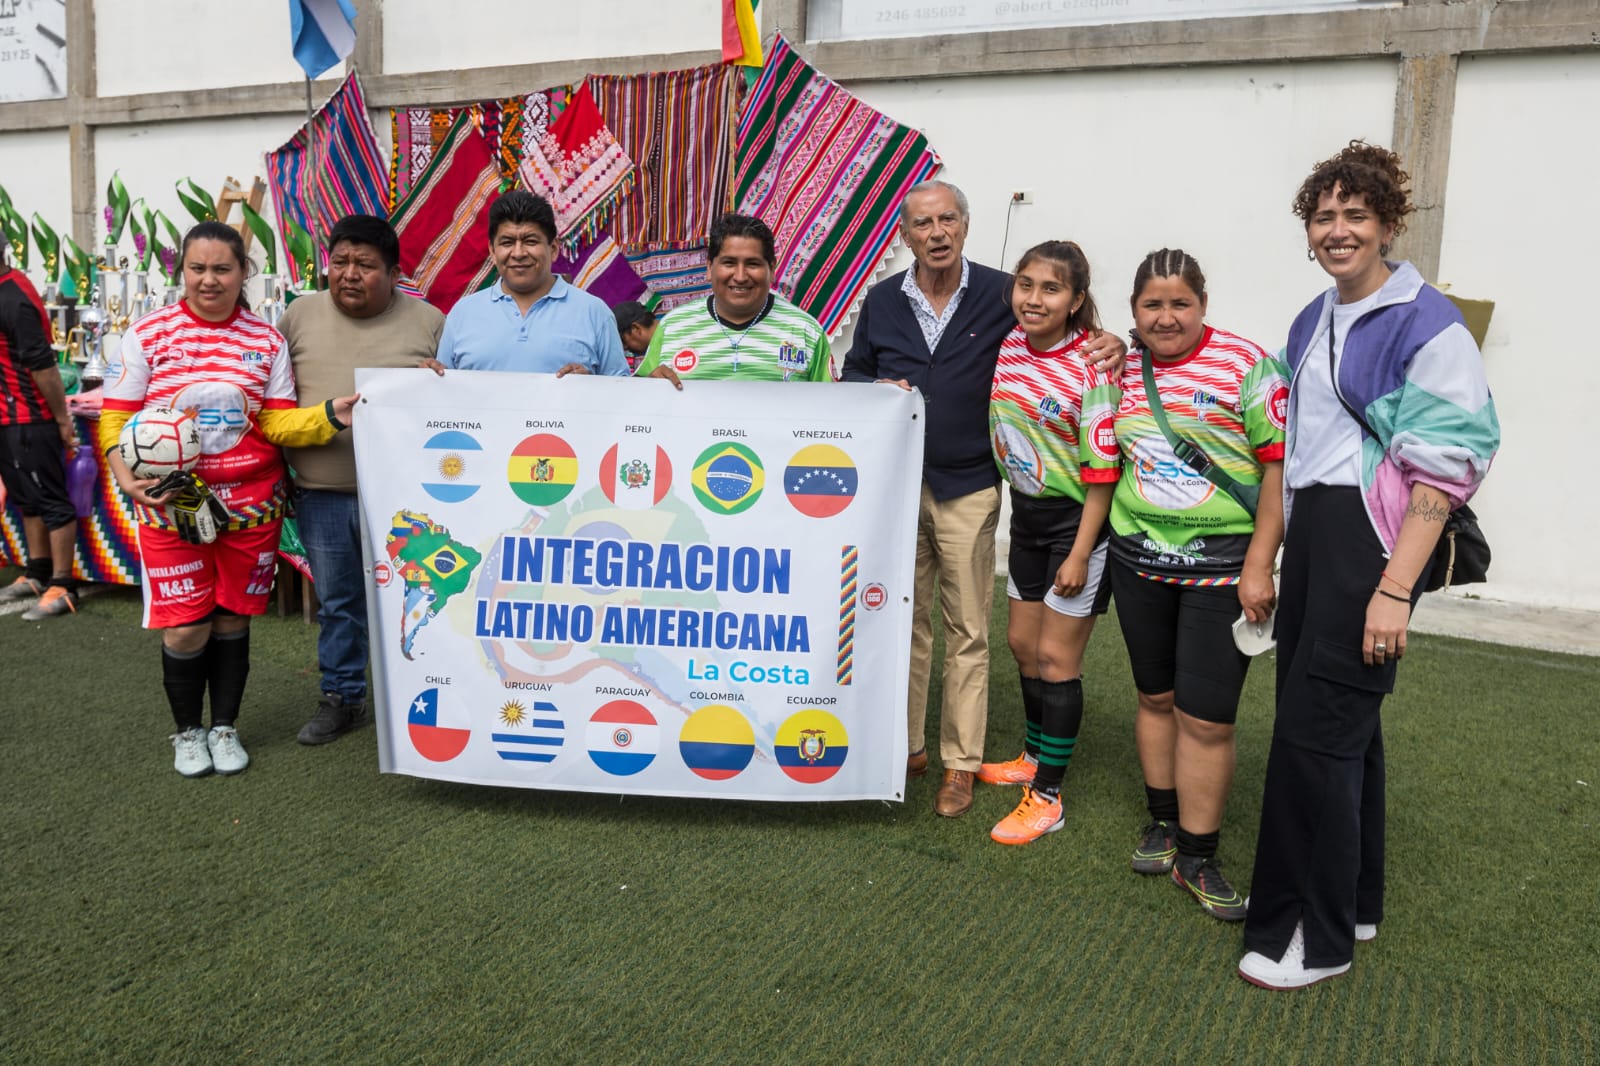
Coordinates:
column 485, row 331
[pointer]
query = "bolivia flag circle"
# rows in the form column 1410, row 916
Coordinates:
column 811, row 746
column 820, row 480
column 717, row 742
column 542, row 470
column 623, row 738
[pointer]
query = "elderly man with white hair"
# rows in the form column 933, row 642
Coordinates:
column 938, row 327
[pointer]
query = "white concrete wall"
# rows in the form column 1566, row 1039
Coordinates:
column 429, row 35
column 1205, row 159
column 1521, row 229
column 36, row 170
column 148, row 46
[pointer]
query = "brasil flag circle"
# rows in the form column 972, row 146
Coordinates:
column 542, row 469
column 728, row 478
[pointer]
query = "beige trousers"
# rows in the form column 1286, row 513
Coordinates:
column 955, row 553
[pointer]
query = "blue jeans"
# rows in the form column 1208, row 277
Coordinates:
column 330, row 529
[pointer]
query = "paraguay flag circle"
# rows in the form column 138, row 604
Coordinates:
column 811, row 746
column 728, row 478
column 716, row 742
column 542, row 469
column 820, row 480
column 623, row 738
column 452, row 455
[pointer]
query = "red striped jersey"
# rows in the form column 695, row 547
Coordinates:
column 1050, row 418
column 24, row 347
column 226, row 373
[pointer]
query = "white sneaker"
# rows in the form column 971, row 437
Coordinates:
column 1288, row 972
column 227, row 754
column 1366, row 931
column 191, row 754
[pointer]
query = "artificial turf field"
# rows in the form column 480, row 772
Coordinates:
column 313, row 910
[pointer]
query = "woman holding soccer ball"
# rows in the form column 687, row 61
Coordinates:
column 1390, row 428
column 208, row 534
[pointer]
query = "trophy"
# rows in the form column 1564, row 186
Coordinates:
column 91, row 329
column 272, row 298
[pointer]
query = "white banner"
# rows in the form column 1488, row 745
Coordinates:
column 607, row 585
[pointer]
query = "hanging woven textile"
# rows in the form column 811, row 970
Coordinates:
column 674, row 277
column 580, row 168
column 349, row 170
column 677, row 127
column 828, row 174
column 443, row 222
column 600, row 268
column 417, row 132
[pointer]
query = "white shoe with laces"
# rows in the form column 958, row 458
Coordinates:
column 191, row 753
column 1288, row 972
column 227, row 754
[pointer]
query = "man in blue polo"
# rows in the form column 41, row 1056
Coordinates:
column 529, row 320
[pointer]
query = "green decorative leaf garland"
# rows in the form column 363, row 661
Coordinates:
column 263, row 233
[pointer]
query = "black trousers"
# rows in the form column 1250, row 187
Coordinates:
column 1319, row 854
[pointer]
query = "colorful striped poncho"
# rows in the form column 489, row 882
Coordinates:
column 349, row 176
column 828, row 174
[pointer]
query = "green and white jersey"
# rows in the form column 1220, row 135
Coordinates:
column 782, row 343
column 1230, row 398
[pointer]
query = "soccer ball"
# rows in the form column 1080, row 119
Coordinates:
column 159, row 440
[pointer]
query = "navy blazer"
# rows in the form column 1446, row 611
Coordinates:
column 955, row 378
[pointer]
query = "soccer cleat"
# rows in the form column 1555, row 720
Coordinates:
column 56, row 600
column 1289, row 972
column 227, row 754
column 1035, row 816
column 1366, row 931
column 1203, row 878
column 335, row 717
column 1158, row 844
column 23, row 588
column 191, row 754
column 1018, row 771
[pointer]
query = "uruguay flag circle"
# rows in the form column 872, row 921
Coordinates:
column 623, row 738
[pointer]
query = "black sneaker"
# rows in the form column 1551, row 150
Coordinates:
column 1158, row 843
column 1203, row 878
column 335, row 717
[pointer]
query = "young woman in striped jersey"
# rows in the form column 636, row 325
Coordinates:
column 208, row 354
column 1191, row 544
column 1050, row 424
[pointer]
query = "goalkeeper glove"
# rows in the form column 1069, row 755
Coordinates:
column 192, row 508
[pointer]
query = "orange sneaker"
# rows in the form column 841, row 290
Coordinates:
column 1018, row 771
column 1035, row 816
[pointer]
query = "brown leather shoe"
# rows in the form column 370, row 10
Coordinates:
column 955, row 794
column 917, row 763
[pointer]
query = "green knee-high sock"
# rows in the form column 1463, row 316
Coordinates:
column 1032, row 700
column 1061, row 707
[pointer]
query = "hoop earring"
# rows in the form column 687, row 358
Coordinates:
column 1311, row 257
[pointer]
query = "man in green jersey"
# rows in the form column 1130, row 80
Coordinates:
column 743, row 331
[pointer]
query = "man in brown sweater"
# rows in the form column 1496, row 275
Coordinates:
column 360, row 321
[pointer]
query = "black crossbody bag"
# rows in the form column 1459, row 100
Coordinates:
column 1191, row 454
column 1462, row 555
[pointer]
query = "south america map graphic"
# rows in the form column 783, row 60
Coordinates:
column 433, row 566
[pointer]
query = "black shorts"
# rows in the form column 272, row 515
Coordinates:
column 1180, row 640
column 34, row 473
column 1042, row 535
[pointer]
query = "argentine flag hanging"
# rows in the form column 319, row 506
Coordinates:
column 323, row 32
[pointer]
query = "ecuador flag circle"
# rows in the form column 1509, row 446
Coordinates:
column 542, row 469
column 716, row 742
column 820, row 480
column 728, row 478
column 811, row 746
